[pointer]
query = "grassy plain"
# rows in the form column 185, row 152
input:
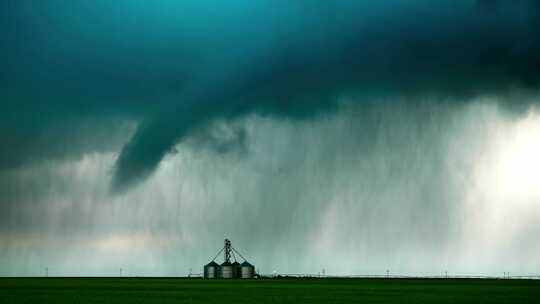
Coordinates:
column 177, row 290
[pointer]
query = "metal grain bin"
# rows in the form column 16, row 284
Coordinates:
column 227, row 270
column 236, row 270
column 211, row 270
column 247, row 271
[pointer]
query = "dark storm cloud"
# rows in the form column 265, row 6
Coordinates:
column 174, row 66
column 489, row 5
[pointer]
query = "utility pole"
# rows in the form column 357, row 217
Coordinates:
column 46, row 272
column 120, row 272
column 446, row 274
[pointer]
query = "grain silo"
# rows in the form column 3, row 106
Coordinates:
column 228, row 270
column 211, row 270
column 247, row 271
column 236, row 269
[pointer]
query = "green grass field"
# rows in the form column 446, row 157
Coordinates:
column 170, row 290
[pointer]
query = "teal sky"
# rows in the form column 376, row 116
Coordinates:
column 355, row 136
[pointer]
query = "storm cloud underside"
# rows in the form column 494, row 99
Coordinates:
column 174, row 67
